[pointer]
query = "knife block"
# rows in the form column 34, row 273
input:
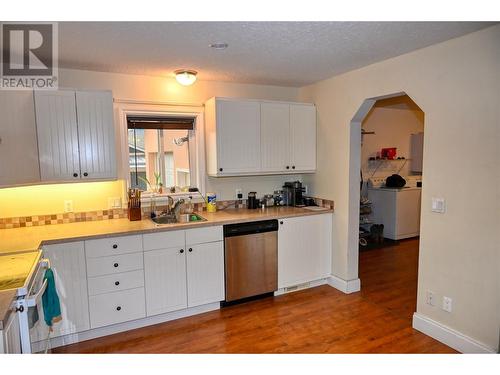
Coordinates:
column 134, row 213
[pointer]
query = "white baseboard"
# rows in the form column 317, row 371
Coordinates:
column 121, row 327
column 449, row 336
column 346, row 286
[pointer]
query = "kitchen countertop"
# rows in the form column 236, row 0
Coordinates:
column 31, row 238
column 20, row 240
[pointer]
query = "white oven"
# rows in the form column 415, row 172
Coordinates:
column 29, row 297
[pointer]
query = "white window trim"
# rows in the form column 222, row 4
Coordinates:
column 196, row 137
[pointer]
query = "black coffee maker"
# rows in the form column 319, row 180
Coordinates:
column 292, row 194
column 252, row 201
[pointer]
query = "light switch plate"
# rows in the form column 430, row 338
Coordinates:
column 438, row 205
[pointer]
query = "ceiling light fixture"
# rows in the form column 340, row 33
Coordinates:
column 185, row 77
column 218, row 46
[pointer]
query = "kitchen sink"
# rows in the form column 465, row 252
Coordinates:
column 184, row 218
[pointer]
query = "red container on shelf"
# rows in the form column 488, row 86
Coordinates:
column 388, row 153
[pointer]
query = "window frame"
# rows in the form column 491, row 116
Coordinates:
column 196, row 144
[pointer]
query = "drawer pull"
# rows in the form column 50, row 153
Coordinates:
column 117, row 283
column 190, row 249
column 118, row 308
column 181, row 251
column 115, row 265
column 115, row 246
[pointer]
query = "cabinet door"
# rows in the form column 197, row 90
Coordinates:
column 304, row 249
column 165, row 274
column 303, row 137
column 205, row 273
column 68, row 263
column 96, row 136
column 238, row 137
column 57, row 135
column 11, row 336
column 275, row 137
column 18, row 143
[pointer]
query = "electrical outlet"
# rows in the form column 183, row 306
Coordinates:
column 447, row 304
column 114, row 202
column 68, row 206
column 430, row 298
column 239, row 194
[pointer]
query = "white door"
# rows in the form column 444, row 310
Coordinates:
column 238, row 137
column 96, row 136
column 57, row 135
column 11, row 336
column 205, row 273
column 304, row 249
column 165, row 276
column 18, row 143
column 67, row 260
column 303, row 137
column 275, row 137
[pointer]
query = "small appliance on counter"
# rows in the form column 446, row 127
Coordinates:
column 252, row 200
column 292, row 194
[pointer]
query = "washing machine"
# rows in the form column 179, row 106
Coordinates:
column 397, row 208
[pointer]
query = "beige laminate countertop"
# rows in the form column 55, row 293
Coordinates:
column 31, row 238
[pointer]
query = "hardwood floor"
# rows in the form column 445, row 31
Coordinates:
column 317, row 320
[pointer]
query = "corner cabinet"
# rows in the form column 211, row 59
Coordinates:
column 18, row 142
column 75, row 135
column 251, row 137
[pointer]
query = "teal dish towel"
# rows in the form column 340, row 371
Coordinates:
column 50, row 300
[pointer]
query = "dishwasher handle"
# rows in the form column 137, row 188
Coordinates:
column 253, row 227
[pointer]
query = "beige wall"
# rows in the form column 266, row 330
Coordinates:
column 159, row 89
column 457, row 85
column 393, row 128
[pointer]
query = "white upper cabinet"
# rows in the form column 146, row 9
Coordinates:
column 236, row 132
column 96, row 135
column 57, row 135
column 75, row 135
column 251, row 137
column 275, row 137
column 18, row 143
column 303, row 137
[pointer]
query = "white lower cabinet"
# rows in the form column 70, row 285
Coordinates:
column 205, row 273
column 67, row 260
column 304, row 249
column 116, row 307
column 165, row 276
column 188, row 275
column 10, row 336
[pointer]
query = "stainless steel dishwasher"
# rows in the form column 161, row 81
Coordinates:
column 251, row 259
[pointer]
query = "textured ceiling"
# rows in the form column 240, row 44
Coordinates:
column 276, row 53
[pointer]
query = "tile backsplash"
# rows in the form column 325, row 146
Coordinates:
column 120, row 213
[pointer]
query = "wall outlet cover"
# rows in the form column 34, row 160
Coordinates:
column 114, row 202
column 68, row 206
column 447, row 304
column 238, row 194
column 430, row 298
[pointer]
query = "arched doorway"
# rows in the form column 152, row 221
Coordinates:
column 390, row 121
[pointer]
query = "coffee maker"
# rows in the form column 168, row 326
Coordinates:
column 292, row 194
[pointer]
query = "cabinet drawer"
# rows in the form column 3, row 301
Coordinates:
column 117, row 307
column 116, row 282
column 164, row 240
column 113, row 246
column 114, row 264
column 202, row 235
